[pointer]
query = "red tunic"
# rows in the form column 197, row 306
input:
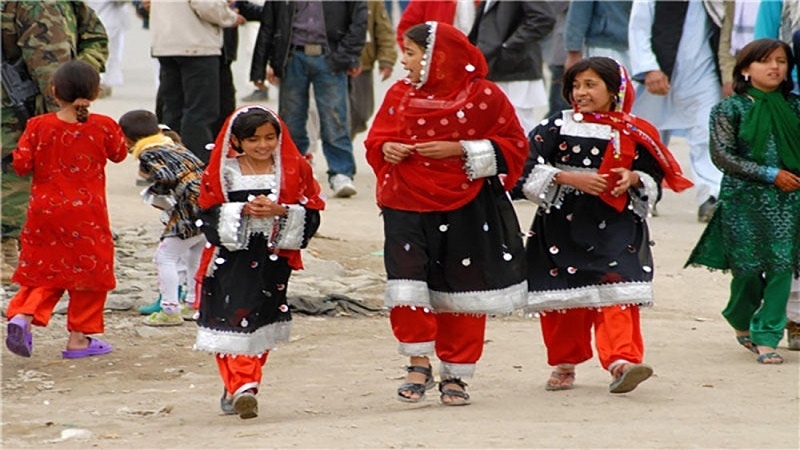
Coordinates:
column 66, row 241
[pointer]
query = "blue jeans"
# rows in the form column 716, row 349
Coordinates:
column 330, row 93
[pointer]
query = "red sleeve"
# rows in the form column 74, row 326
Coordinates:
column 23, row 154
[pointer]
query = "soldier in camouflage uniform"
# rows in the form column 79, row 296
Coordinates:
column 45, row 34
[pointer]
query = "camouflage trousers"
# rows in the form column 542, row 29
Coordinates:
column 16, row 190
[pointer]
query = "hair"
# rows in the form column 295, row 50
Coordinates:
column 418, row 34
column 247, row 122
column 170, row 133
column 138, row 124
column 78, row 83
column 606, row 68
column 758, row 50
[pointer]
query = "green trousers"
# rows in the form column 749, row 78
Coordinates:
column 758, row 303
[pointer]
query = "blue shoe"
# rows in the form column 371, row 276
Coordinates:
column 151, row 308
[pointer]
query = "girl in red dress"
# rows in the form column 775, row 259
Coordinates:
column 66, row 242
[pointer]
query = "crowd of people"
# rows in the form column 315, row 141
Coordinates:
column 452, row 143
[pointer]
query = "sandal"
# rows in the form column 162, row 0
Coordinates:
column 416, row 388
column 632, row 375
column 560, row 381
column 245, row 404
column 747, row 343
column 19, row 339
column 777, row 359
column 461, row 396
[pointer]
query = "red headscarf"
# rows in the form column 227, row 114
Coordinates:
column 295, row 180
column 453, row 101
column 632, row 130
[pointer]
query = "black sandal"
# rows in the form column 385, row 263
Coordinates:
column 461, row 397
column 416, row 388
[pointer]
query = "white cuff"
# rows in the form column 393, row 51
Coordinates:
column 232, row 229
column 291, row 228
column 480, row 161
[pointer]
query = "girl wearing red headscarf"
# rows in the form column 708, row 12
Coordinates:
column 594, row 172
column 445, row 146
column 260, row 205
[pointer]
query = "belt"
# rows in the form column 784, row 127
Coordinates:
column 302, row 48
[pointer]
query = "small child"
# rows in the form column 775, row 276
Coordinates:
column 175, row 175
column 66, row 242
column 260, row 207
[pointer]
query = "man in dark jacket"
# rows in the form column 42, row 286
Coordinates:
column 314, row 43
column 508, row 33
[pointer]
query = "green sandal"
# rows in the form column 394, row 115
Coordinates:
column 416, row 388
column 461, row 396
column 771, row 355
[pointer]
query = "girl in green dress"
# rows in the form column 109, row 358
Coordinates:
column 755, row 229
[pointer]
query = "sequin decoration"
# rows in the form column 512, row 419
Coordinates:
column 595, row 151
column 284, row 308
column 647, row 269
column 571, row 270
column 460, row 114
column 466, row 262
column 553, row 250
column 273, row 257
column 577, row 117
column 507, row 256
column 485, row 226
column 219, row 261
column 613, row 264
column 198, row 222
column 281, row 287
column 443, row 227
column 602, row 225
column 253, row 264
column 558, row 122
column 569, row 217
column 553, row 272
column 576, row 148
column 251, row 197
column 587, row 162
column 244, row 323
column 407, row 247
column 469, row 68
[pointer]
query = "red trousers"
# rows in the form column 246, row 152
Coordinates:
column 241, row 372
column 84, row 311
column 568, row 335
column 458, row 338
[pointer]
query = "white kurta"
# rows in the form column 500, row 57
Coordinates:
column 694, row 88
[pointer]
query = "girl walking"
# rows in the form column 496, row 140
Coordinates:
column 66, row 242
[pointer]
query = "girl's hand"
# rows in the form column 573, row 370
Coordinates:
column 439, row 149
column 262, row 207
column 395, row 152
column 590, row 183
column 787, row 181
column 627, row 179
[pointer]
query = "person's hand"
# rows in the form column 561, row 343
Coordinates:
column 395, row 152
column 572, row 58
column 727, row 89
column 385, row 72
column 627, row 179
column 273, row 80
column 657, row 82
column 240, row 20
column 439, row 149
column 354, row 72
column 262, row 207
column 590, row 183
column 787, row 181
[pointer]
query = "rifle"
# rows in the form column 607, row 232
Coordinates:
column 20, row 88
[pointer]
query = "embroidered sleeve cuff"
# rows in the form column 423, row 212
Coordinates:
column 772, row 173
column 539, row 187
column 232, row 227
column 643, row 199
column 480, row 159
column 291, row 228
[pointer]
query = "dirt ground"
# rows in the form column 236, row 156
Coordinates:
column 333, row 385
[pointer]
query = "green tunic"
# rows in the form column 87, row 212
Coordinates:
column 756, row 226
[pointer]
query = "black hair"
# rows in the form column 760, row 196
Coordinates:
column 758, row 50
column 247, row 122
column 606, row 68
column 76, row 80
column 418, row 34
column 138, row 124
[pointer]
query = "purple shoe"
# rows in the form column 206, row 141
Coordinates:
column 19, row 339
column 96, row 347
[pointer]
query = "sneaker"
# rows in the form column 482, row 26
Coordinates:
column 706, row 210
column 793, row 335
column 151, row 308
column 162, row 319
column 258, row 95
column 189, row 313
column 342, row 186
